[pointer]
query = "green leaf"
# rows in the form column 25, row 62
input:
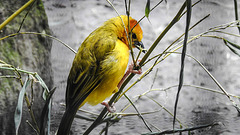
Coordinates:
column 42, row 83
column 226, row 42
column 233, row 44
column 147, row 9
column 18, row 111
column 46, row 114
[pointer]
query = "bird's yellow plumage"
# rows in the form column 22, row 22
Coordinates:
column 98, row 66
column 116, row 64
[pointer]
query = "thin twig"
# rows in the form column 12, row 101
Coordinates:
column 195, row 86
column 32, row 96
column 31, row 5
column 32, row 127
column 129, row 37
column 164, row 108
column 183, row 130
column 130, row 33
column 31, row 112
column 215, row 80
column 139, row 114
column 43, row 34
column 218, row 84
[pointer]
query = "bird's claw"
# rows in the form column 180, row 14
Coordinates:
column 132, row 70
column 110, row 108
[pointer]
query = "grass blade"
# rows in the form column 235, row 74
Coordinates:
column 188, row 19
column 226, row 42
column 42, row 83
column 18, row 111
column 147, row 9
column 232, row 44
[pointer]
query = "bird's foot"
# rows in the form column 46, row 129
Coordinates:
column 132, row 70
column 110, row 108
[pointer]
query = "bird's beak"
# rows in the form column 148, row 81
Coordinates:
column 139, row 45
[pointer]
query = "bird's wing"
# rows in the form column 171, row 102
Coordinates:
column 86, row 72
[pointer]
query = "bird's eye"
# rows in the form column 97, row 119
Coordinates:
column 134, row 36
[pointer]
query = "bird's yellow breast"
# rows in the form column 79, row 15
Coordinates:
column 115, row 65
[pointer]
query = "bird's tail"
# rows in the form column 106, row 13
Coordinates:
column 66, row 122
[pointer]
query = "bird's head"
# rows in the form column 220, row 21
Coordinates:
column 135, row 31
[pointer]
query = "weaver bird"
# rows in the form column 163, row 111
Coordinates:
column 99, row 66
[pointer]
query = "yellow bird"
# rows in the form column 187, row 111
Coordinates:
column 99, row 66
